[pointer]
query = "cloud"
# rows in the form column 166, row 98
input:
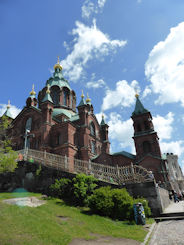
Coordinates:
column 165, row 67
column 13, row 110
column 89, row 43
column 176, row 147
column 123, row 95
column 146, row 91
column 98, row 84
column 120, row 130
column 89, row 8
column 163, row 125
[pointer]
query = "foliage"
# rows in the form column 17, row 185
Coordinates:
column 83, row 187
column 101, row 201
column 39, row 169
column 144, row 202
column 123, row 204
column 61, row 188
column 115, row 203
column 8, row 157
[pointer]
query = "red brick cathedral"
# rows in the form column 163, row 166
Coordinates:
column 52, row 122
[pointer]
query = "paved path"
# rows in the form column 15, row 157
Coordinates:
column 175, row 207
column 170, row 232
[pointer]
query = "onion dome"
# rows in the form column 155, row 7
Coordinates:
column 88, row 100
column 58, row 66
column 32, row 93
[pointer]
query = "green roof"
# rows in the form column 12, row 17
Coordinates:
column 8, row 113
column 103, row 121
column 124, row 153
column 47, row 98
column 58, row 80
column 82, row 102
column 139, row 108
column 74, row 118
column 58, row 111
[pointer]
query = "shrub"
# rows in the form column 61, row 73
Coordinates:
column 101, row 201
column 61, row 188
column 83, row 187
column 123, row 204
column 144, row 202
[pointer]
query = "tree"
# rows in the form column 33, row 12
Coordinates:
column 8, row 157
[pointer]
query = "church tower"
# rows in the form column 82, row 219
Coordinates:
column 145, row 138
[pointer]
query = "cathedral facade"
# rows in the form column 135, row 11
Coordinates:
column 53, row 122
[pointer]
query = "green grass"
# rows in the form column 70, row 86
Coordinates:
column 43, row 226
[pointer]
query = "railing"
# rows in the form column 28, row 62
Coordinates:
column 111, row 174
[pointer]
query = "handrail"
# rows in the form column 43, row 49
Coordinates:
column 111, row 174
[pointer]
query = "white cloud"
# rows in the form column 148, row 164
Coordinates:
column 146, row 91
column 89, row 8
column 121, row 131
column 123, row 95
column 163, row 125
column 89, row 43
column 165, row 67
column 95, row 84
column 176, row 147
column 13, row 110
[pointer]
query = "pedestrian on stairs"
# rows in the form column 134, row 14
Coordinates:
column 176, row 197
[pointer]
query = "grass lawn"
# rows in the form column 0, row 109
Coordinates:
column 46, row 224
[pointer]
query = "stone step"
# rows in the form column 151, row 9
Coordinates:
column 159, row 219
column 176, row 214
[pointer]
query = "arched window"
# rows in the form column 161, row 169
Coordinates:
column 58, row 139
column 55, row 95
column 93, row 147
column 28, row 124
column 146, row 146
column 71, row 100
column 92, row 128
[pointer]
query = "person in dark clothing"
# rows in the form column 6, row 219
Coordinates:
column 176, row 197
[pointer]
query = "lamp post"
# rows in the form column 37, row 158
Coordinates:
column 27, row 134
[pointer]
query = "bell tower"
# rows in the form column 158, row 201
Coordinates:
column 145, row 138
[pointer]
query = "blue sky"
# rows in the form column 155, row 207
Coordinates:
column 108, row 48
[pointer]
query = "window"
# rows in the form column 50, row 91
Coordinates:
column 58, row 139
column 55, row 95
column 93, row 146
column 146, row 125
column 28, row 124
column 146, row 146
column 92, row 128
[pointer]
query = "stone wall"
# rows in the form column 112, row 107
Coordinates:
column 164, row 197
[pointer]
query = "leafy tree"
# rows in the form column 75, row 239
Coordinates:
column 8, row 157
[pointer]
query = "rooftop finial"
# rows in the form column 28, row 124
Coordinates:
column 82, row 95
column 32, row 92
column 48, row 89
column 136, row 94
column 8, row 106
column 58, row 64
column 88, row 99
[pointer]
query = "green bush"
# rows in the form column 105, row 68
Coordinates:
column 83, row 187
column 61, row 188
column 144, row 202
column 101, row 201
column 123, row 204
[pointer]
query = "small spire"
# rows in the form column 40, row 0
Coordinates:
column 48, row 89
column 88, row 99
column 33, row 92
column 8, row 106
column 82, row 95
column 136, row 95
column 103, row 120
column 58, row 64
